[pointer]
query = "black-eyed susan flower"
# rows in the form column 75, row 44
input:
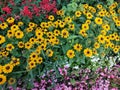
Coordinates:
column 19, row 34
column 2, row 39
column 89, row 15
column 88, row 52
column 70, row 53
column 10, row 33
column 11, row 81
column 15, row 61
column 32, row 64
column 99, row 6
column 33, row 56
column 101, row 39
column 77, row 47
column 68, row 19
column 56, row 32
column 49, row 53
column 8, row 68
column 71, row 26
column 96, row 45
column 39, row 60
column 9, row 47
column 20, row 44
column 64, row 33
column 3, row 25
column 78, row 13
column 28, row 45
column 61, row 24
column 106, row 27
column 20, row 23
column 10, row 20
column 31, row 24
column 85, row 26
column 51, row 17
column 14, row 27
column 29, row 29
column 5, row 53
column 98, row 20
column 2, row 79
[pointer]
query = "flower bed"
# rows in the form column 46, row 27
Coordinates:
column 34, row 40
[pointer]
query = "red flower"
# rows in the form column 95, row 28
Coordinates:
column 27, row 12
column 1, row 19
column 7, row 10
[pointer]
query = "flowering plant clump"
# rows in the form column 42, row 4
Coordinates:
column 75, row 79
column 76, row 34
column 28, row 9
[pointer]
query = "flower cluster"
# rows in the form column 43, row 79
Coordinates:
column 83, row 79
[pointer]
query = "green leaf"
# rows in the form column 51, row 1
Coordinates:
column 72, row 81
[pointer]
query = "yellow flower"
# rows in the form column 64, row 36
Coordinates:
column 10, row 20
column 32, row 64
column 83, row 33
column 103, row 32
column 115, row 50
column 8, row 68
column 14, row 27
column 70, row 53
column 3, row 25
column 10, row 33
column 89, row 16
column 99, row 6
column 5, row 54
column 68, row 19
column 11, row 81
column 31, row 24
column 98, row 20
column 1, row 69
column 20, row 44
column 15, row 61
column 106, row 27
column 2, row 79
column 51, row 17
column 77, row 47
column 65, row 33
column 101, row 14
column 20, row 23
column 71, row 26
column 9, row 47
column 88, row 52
column 2, row 39
column 61, row 24
column 101, row 39
column 30, row 29
column 43, row 24
column 33, row 56
column 39, row 60
column 85, row 26
column 78, row 13
column 117, row 23
column 38, row 33
column 19, row 34
column 49, row 53
column 60, row 12
column 28, row 45
column 96, row 45
column 88, row 22
column 56, row 32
